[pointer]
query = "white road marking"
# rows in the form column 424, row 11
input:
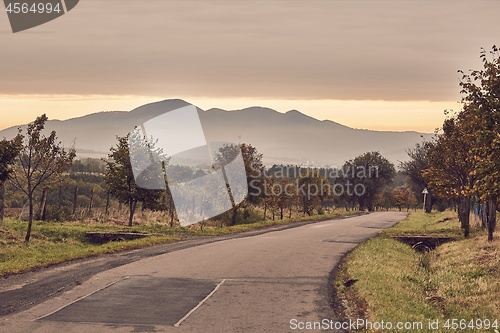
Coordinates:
column 177, row 324
column 83, row 297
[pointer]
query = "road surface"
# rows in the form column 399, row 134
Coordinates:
column 263, row 283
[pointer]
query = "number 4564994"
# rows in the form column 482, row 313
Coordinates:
column 473, row 324
column 35, row 8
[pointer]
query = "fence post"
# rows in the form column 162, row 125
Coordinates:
column 75, row 199
column 43, row 203
column 107, row 203
column 91, row 201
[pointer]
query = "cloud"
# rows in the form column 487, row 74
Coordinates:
column 387, row 50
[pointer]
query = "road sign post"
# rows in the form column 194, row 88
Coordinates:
column 425, row 192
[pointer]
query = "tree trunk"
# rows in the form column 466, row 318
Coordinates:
column 233, row 215
column 483, row 211
column 281, row 212
column 91, row 203
column 132, row 206
column 172, row 212
column 489, row 217
column 75, row 200
column 30, row 218
column 2, row 199
column 59, row 198
column 369, row 205
column 492, row 221
column 429, row 202
column 428, row 206
column 43, row 202
column 265, row 210
column 464, row 214
column 107, row 203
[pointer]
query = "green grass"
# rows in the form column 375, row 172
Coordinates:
column 53, row 243
column 56, row 242
column 442, row 223
column 396, row 284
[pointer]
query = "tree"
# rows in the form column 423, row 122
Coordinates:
column 419, row 161
column 119, row 178
column 342, row 184
column 254, row 170
column 313, row 189
column 252, row 160
column 465, row 161
column 41, row 158
column 481, row 113
column 385, row 198
column 450, row 174
column 401, row 197
column 285, row 197
column 9, row 149
column 370, row 171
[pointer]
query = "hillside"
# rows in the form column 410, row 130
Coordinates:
column 289, row 138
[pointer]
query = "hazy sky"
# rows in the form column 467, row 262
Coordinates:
column 367, row 64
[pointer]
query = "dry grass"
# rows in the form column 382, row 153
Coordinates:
column 466, row 276
column 460, row 279
column 55, row 242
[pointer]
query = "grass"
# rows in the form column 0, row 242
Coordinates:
column 53, row 243
column 394, row 283
column 212, row 230
column 56, row 242
column 442, row 223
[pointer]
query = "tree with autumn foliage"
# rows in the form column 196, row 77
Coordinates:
column 464, row 161
column 401, row 197
column 481, row 114
column 450, row 175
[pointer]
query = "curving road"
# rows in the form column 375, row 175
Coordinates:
column 261, row 283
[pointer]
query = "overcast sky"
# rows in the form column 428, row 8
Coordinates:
column 362, row 63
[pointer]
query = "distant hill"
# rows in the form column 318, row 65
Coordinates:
column 289, row 138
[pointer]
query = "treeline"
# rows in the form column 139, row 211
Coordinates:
column 44, row 182
column 462, row 163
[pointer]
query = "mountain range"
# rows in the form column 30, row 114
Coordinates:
column 282, row 138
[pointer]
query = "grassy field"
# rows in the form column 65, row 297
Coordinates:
column 55, row 242
column 459, row 280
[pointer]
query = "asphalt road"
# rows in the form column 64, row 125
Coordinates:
column 261, row 283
